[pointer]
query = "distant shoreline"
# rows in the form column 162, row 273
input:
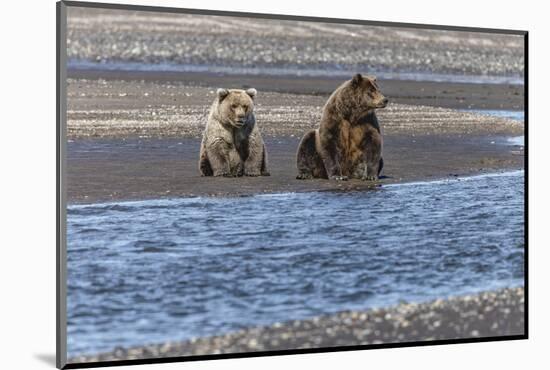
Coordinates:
column 488, row 314
column 184, row 39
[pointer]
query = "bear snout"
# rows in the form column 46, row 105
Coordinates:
column 383, row 102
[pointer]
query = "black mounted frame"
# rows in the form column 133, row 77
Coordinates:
column 61, row 200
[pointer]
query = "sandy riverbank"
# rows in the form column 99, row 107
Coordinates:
column 131, row 169
column 134, row 134
column 488, row 314
column 133, row 139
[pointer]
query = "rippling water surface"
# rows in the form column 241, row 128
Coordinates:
column 517, row 115
column 329, row 70
column 157, row 270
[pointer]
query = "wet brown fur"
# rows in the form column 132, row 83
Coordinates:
column 232, row 144
column 348, row 142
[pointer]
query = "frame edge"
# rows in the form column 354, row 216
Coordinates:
column 61, row 250
column 288, row 17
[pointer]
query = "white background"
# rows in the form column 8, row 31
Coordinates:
column 27, row 152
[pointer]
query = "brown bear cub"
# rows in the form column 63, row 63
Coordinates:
column 231, row 143
column 348, row 142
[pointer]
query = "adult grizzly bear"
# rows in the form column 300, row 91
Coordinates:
column 348, row 143
column 231, row 143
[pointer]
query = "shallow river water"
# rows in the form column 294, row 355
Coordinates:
column 157, row 270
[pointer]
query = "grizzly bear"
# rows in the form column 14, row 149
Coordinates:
column 231, row 143
column 348, row 142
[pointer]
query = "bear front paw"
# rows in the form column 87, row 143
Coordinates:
column 252, row 174
column 339, row 178
column 369, row 178
column 224, row 174
column 304, row 176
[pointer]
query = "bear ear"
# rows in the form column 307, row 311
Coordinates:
column 251, row 92
column 222, row 93
column 356, row 80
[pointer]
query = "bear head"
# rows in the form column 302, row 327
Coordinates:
column 365, row 93
column 236, row 107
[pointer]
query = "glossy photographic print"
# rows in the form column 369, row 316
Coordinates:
column 234, row 184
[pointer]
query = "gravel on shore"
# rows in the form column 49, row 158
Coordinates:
column 111, row 109
column 487, row 314
column 108, row 35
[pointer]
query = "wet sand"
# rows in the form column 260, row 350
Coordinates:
column 489, row 314
column 133, row 169
column 135, row 139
